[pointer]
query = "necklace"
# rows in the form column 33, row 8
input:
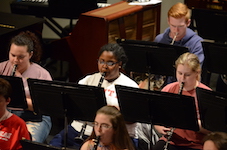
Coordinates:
column 103, row 147
column 196, row 85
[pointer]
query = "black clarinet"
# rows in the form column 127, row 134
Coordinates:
column 96, row 142
column 79, row 139
column 170, row 133
column 181, row 88
column 14, row 70
column 101, row 79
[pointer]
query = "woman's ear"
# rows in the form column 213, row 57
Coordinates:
column 31, row 54
column 8, row 100
column 120, row 64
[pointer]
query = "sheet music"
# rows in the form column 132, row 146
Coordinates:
column 145, row 3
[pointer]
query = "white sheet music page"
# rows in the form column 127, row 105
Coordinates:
column 145, row 2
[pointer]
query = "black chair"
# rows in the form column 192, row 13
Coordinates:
column 210, row 24
column 215, row 60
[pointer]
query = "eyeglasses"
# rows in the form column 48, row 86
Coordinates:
column 102, row 126
column 109, row 63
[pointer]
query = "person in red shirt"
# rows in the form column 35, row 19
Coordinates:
column 188, row 72
column 12, row 128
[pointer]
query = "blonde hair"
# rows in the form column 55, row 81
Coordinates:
column 192, row 61
column 179, row 10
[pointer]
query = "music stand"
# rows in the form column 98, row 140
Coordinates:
column 64, row 99
column 32, row 145
column 153, row 57
column 213, row 109
column 157, row 108
column 215, row 58
column 210, row 24
column 18, row 98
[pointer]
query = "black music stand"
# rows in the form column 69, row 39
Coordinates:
column 151, row 57
column 18, row 98
column 210, row 24
column 157, row 108
column 213, row 109
column 215, row 58
column 66, row 100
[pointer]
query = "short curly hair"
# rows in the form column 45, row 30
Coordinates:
column 117, row 51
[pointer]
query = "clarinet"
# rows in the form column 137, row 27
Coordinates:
column 181, row 88
column 14, row 70
column 101, row 79
column 96, row 142
column 170, row 133
column 79, row 139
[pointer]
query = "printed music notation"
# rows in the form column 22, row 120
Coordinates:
column 145, row 2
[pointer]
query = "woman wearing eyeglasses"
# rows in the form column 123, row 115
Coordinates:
column 109, row 125
column 111, row 58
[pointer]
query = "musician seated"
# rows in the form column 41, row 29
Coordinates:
column 178, row 34
column 188, row 72
column 109, row 131
column 24, row 53
column 111, row 59
column 12, row 128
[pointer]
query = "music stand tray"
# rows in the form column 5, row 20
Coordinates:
column 32, row 145
column 18, row 98
column 212, row 108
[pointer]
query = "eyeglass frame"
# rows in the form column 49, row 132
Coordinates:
column 103, row 126
column 109, row 63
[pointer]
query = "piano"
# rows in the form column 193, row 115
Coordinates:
column 101, row 26
column 54, row 8
column 12, row 24
column 48, row 9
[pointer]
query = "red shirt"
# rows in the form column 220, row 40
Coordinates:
column 12, row 130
